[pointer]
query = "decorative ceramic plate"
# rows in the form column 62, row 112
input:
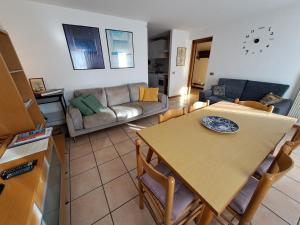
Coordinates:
column 219, row 124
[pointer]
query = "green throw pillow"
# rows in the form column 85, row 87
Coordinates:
column 92, row 102
column 78, row 103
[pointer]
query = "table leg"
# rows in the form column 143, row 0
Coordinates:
column 205, row 217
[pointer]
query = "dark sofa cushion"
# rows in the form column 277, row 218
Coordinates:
column 256, row 90
column 234, row 87
column 214, row 99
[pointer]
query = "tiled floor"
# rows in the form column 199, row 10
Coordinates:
column 102, row 187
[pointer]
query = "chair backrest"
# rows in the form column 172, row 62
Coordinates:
column 168, row 183
column 198, row 105
column 255, row 105
column 281, row 166
column 172, row 113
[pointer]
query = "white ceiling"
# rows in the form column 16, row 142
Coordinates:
column 163, row 15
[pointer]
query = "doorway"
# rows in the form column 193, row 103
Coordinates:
column 199, row 63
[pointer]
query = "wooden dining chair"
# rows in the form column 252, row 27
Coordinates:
column 198, row 105
column 266, row 164
column 168, row 199
column 247, row 201
column 255, row 105
column 172, row 113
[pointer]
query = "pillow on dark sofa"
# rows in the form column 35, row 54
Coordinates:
column 270, row 99
column 218, row 90
column 256, row 90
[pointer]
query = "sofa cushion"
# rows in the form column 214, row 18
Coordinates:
column 150, row 107
column 106, row 116
column 92, row 102
column 218, row 90
column 215, row 99
column 270, row 99
column 256, row 90
column 127, row 110
column 117, row 95
column 150, row 95
column 134, row 90
column 234, row 87
column 78, row 103
column 99, row 93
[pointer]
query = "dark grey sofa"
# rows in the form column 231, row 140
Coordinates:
column 249, row 90
column 121, row 106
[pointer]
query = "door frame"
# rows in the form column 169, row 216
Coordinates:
column 192, row 59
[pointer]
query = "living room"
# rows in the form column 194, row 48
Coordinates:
column 254, row 55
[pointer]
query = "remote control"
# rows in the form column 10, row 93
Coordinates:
column 18, row 170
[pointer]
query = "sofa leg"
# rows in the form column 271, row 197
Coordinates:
column 74, row 139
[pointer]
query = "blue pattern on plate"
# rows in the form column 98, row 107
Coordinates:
column 219, row 124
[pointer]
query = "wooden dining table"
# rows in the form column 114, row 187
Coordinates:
column 214, row 165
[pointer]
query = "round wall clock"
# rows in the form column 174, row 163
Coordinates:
column 257, row 40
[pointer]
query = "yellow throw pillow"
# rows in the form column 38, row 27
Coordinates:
column 150, row 95
column 141, row 93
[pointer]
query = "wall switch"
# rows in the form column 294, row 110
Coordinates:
column 211, row 73
column 173, row 72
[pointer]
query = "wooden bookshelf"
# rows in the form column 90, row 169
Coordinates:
column 15, row 116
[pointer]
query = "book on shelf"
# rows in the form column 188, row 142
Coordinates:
column 52, row 92
column 30, row 136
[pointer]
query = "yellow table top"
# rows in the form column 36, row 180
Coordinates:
column 214, row 165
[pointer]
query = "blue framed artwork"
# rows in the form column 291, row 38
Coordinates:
column 120, row 48
column 84, row 46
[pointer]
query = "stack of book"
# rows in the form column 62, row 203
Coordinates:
column 31, row 136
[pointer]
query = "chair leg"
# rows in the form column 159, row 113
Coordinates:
column 141, row 195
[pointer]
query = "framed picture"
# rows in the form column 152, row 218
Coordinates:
column 37, row 85
column 84, row 46
column 180, row 58
column 120, row 48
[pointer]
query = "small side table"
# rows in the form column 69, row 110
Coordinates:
column 52, row 98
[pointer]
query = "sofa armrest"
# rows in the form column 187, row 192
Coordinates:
column 163, row 99
column 283, row 107
column 204, row 95
column 76, row 117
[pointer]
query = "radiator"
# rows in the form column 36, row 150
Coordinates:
column 295, row 110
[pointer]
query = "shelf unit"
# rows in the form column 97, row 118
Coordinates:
column 16, row 115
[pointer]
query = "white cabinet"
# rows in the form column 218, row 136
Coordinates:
column 158, row 49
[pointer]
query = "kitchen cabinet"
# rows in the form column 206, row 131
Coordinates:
column 158, row 49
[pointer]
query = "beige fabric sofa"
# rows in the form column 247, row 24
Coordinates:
column 121, row 106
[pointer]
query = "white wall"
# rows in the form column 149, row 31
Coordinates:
column 37, row 34
column 280, row 63
column 178, row 75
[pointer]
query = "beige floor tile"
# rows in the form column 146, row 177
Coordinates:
column 295, row 174
column 84, row 183
column 67, row 214
column 89, row 208
column 265, row 216
column 68, row 193
column 105, row 221
column 119, row 191
column 125, row 147
column 118, row 136
column 131, row 214
column 97, row 134
column 106, row 154
column 80, row 150
column 296, row 159
column 111, row 170
column 82, row 164
column 80, row 140
column 289, row 186
column 133, row 174
column 100, row 143
column 130, row 160
column 282, row 205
